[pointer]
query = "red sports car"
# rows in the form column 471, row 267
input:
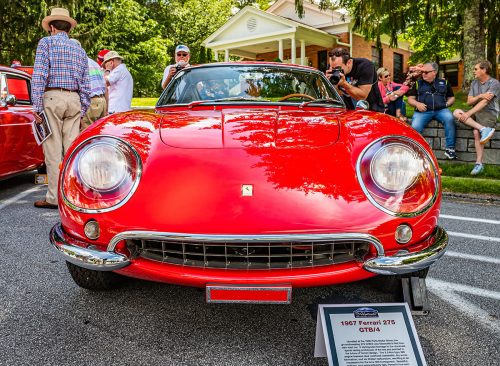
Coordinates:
column 19, row 151
column 248, row 179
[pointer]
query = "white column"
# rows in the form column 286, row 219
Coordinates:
column 302, row 52
column 216, row 55
column 294, row 53
column 226, row 55
column 280, row 49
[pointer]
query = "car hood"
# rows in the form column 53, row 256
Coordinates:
column 234, row 128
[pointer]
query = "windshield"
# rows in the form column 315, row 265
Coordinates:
column 249, row 83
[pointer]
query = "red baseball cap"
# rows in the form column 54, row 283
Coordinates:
column 100, row 56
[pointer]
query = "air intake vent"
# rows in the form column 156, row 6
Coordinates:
column 251, row 24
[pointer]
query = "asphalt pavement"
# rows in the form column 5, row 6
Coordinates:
column 46, row 319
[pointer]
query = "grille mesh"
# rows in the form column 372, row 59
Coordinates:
column 243, row 255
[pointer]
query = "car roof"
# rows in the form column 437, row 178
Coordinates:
column 14, row 71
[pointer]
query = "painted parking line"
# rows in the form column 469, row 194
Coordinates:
column 449, row 292
column 471, row 236
column 19, row 196
column 472, row 219
column 480, row 258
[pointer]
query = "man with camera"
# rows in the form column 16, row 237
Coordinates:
column 355, row 78
column 182, row 56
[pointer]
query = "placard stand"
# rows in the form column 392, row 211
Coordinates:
column 367, row 334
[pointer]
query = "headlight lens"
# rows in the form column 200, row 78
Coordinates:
column 101, row 174
column 398, row 176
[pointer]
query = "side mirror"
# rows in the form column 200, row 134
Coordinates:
column 10, row 100
column 363, row 105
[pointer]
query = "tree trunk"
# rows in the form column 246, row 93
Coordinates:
column 474, row 41
column 493, row 37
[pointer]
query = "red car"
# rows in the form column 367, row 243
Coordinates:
column 19, row 151
column 249, row 179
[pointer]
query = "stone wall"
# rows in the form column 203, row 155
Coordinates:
column 466, row 152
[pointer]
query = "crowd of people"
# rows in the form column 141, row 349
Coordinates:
column 356, row 79
column 73, row 91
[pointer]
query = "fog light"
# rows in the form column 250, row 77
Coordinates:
column 403, row 234
column 92, row 230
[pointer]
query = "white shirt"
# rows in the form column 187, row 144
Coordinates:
column 167, row 71
column 121, row 88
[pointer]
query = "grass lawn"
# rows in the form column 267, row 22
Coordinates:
column 144, row 102
column 457, row 178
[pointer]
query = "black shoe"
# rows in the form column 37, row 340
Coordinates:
column 450, row 153
column 44, row 204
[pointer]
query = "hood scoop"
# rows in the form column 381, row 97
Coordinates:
column 234, row 128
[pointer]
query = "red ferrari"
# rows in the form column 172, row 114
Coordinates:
column 248, row 179
column 19, row 151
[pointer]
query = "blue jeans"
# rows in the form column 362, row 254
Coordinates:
column 421, row 119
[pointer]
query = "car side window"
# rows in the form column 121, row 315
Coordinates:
column 3, row 87
column 19, row 87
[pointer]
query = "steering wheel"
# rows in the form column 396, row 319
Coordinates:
column 296, row 95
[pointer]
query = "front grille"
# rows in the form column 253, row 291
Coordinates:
column 246, row 255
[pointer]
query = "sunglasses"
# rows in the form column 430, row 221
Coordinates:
column 182, row 54
column 387, row 76
column 426, row 72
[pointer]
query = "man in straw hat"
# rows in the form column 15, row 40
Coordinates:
column 120, row 82
column 60, row 89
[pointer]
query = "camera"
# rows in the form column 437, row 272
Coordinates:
column 335, row 75
column 179, row 67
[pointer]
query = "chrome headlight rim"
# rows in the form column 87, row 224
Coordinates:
column 77, row 150
column 395, row 139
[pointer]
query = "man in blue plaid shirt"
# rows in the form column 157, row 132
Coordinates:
column 60, row 89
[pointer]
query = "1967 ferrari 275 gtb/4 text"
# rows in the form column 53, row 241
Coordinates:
column 248, row 179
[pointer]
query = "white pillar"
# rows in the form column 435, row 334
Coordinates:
column 216, row 54
column 302, row 52
column 280, row 49
column 294, row 51
column 226, row 55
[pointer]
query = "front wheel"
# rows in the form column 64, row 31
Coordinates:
column 93, row 280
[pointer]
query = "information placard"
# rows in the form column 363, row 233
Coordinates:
column 368, row 334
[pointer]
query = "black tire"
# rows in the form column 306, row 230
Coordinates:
column 392, row 284
column 93, row 280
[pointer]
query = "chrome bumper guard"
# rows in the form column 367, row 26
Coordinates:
column 403, row 263
column 84, row 255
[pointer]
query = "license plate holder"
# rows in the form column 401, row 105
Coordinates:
column 248, row 294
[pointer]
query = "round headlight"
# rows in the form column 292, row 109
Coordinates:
column 102, row 166
column 398, row 176
column 396, row 167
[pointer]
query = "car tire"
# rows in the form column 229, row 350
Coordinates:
column 93, row 280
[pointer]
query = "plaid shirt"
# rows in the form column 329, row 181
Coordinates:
column 60, row 63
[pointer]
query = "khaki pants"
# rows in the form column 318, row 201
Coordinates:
column 96, row 110
column 63, row 111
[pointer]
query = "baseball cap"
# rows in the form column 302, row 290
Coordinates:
column 100, row 56
column 182, row 48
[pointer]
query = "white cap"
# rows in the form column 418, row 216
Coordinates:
column 181, row 47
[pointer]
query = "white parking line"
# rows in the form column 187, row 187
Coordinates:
column 471, row 236
column 447, row 292
column 473, row 257
column 18, row 196
column 474, row 219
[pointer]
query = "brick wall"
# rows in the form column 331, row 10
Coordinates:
column 466, row 152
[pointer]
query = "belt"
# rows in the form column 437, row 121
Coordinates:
column 60, row 89
column 98, row 96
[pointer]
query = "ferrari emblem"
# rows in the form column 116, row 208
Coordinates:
column 246, row 190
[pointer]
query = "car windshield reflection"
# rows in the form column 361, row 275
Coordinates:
column 214, row 84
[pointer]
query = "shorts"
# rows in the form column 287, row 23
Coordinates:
column 486, row 119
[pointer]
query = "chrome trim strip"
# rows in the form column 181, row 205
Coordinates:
column 168, row 236
column 410, row 262
column 83, row 255
column 124, row 200
column 367, row 193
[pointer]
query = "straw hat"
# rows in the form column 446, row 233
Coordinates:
column 58, row 14
column 111, row 55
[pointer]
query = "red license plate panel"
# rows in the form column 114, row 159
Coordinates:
column 249, row 294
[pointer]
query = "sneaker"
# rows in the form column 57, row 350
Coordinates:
column 478, row 168
column 450, row 153
column 486, row 134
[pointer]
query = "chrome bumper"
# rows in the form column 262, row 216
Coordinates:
column 84, row 255
column 410, row 262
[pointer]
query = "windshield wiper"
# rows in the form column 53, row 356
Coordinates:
column 322, row 100
column 230, row 99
